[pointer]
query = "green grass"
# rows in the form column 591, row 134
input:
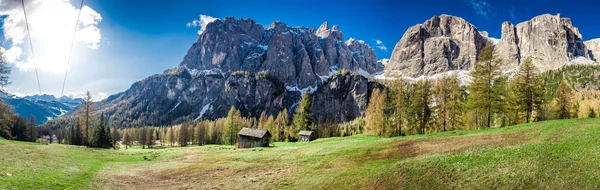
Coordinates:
column 546, row 155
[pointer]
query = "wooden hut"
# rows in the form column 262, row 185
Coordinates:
column 306, row 136
column 250, row 138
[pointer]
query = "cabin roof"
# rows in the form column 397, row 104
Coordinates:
column 308, row 133
column 258, row 133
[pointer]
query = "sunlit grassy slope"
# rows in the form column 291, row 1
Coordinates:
column 548, row 155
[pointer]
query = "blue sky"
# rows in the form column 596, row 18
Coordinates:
column 144, row 37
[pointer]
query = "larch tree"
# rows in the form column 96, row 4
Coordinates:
column 150, row 137
column 375, row 113
column 281, row 131
column 171, row 136
column 529, row 88
column 126, row 139
column 87, row 113
column 399, row 104
column 420, row 109
column 563, row 98
column 450, row 108
column 201, row 132
column 483, row 95
column 232, row 126
column 184, row 134
column 141, row 134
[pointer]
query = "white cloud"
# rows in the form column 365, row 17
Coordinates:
column 75, row 94
column 380, row 45
column 51, row 23
column 102, row 96
column 202, row 22
column 511, row 13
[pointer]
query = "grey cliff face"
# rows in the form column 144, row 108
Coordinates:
column 343, row 98
column 297, row 56
column 550, row 40
column 442, row 43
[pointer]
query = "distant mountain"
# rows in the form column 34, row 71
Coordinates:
column 42, row 107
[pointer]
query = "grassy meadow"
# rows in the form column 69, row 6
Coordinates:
column 561, row 154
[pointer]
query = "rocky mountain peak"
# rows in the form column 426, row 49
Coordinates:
column 323, row 31
column 550, row 40
column 440, row 44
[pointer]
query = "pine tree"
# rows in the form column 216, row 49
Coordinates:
column 101, row 138
column 483, row 95
column 375, row 114
column 303, row 119
column 529, row 88
column 562, row 98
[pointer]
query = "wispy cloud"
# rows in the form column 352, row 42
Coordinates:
column 380, row 45
column 481, row 7
column 201, row 22
column 511, row 13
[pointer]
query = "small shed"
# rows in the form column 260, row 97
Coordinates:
column 306, row 136
column 250, row 138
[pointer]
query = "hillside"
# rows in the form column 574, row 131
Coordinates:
column 545, row 155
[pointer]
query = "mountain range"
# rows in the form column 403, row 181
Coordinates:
column 237, row 62
column 43, row 107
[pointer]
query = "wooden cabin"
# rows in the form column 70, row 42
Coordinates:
column 306, row 136
column 250, row 138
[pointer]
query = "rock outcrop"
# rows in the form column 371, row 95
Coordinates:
column 343, row 98
column 442, row 43
column 593, row 47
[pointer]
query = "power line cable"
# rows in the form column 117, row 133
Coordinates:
column 31, row 45
column 71, row 50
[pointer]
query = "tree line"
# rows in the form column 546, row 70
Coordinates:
column 492, row 99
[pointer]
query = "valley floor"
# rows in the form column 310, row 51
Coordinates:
column 547, row 155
